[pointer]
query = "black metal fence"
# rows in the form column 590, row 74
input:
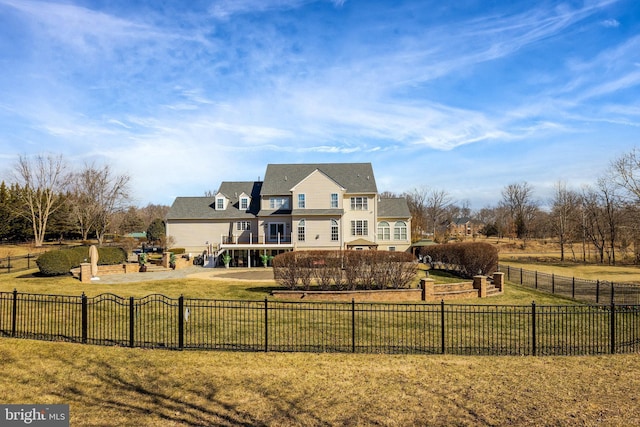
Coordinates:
column 589, row 291
column 157, row 321
column 18, row 263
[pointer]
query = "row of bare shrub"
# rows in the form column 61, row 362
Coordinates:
column 344, row 270
column 467, row 259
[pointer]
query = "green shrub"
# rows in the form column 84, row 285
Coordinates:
column 77, row 255
column 54, row 263
column 468, row 259
column 60, row 262
column 111, row 256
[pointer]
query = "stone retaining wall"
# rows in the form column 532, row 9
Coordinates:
column 386, row 295
column 426, row 292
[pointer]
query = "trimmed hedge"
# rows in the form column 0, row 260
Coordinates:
column 344, row 269
column 55, row 263
column 60, row 262
column 467, row 259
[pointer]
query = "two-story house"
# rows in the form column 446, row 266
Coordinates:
column 296, row 206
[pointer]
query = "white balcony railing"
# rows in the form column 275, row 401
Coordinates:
column 250, row 239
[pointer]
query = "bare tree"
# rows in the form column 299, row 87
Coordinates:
column 518, row 199
column 43, row 179
column 611, row 204
column 626, row 171
column 416, row 200
column 98, row 194
column 437, row 203
column 594, row 224
column 565, row 206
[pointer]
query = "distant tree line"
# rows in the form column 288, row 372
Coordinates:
column 598, row 222
column 47, row 200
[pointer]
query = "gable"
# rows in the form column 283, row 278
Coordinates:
column 352, row 177
column 315, row 181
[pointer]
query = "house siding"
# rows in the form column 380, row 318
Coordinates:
column 193, row 221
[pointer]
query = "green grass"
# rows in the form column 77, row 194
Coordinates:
column 125, row 387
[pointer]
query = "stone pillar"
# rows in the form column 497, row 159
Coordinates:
column 428, row 291
column 498, row 281
column 85, row 272
column 165, row 259
column 480, row 283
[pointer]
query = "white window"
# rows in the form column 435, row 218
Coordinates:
column 360, row 227
column 392, row 248
column 335, row 234
column 243, row 225
column 220, row 203
column 384, row 231
column 301, row 201
column 359, row 204
column 301, row 230
column 278, row 203
column 244, row 203
column 400, row 230
column 334, row 200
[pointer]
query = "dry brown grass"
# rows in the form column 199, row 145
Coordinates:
column 19, row 250
column 119, row 386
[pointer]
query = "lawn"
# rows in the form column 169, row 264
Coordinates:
column 29, row 282
column 120, row 386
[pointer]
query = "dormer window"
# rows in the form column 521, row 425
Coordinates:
column 244, row 203
column 220, row 203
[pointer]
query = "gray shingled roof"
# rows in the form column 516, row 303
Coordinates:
column 233, row 190
column 192, row 208
column 393, row 208
column 204, row 207
column 354, row 177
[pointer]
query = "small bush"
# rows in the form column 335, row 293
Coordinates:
column 54, row 263
column 60, row 262
column 344, row 269
column 468, row 259
column 111, row 256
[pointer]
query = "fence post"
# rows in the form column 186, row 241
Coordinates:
column 536, row 279
column 508, row 273
column 533, row 328
column 597, row 291
column 28, row 261
column 8, row 264
column 181, row 322
column 553, row 283
column 612, row 294
column 613, row 328
column 521, row 276
column 266, row 325
column 132, row 321
column 353, row 325
column 14, row 314
column 84, row 318
column 442, row 336
column 573, row 288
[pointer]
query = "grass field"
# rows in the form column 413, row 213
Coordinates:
column 29, row 282
column 111, row 386
column 127, row 387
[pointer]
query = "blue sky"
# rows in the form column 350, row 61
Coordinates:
column 466, row 96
